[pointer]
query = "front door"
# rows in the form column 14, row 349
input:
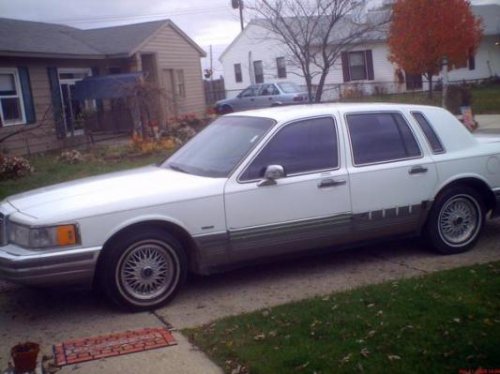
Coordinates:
column 309, row 206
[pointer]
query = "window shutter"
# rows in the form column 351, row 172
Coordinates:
column 29, row 106
column 369, row 64
column 99, row 104
column 57, row 106
column 345, row 66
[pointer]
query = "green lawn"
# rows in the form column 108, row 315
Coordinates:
column 485, row 99
column 438, row 323
column 49, row 170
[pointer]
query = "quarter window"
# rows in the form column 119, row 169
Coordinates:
column 11, row 108
column 380, row 137
column 300, row 147
column 429, row 133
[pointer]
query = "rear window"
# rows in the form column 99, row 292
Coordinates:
column 289, row 87
column 429, row 133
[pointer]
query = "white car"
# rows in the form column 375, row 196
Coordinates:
column 257, row 185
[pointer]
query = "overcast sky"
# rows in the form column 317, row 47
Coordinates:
column 208, row 22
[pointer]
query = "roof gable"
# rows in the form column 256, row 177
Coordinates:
column 18, row 38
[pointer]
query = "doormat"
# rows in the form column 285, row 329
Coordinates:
column 96, row 347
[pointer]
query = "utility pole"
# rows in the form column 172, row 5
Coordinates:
column 238, row 4
column 212, row 75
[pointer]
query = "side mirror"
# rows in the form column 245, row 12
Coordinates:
column 272, row 173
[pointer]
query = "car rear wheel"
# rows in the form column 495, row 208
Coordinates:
column 144, row 270
column 455, row 220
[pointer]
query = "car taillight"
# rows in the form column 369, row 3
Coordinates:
column 298, row 98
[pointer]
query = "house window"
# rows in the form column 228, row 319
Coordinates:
column 180, row 87
column 258, row 71
column 281, row 66
column 11, row 102
column 237, row 73
column 357, row 65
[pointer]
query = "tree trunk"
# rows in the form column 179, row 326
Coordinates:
column 321, row 85
column 309, row 87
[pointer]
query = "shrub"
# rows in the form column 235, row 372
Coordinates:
column 12, row 167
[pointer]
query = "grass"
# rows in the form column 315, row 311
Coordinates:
column 485, row 99
column 49, row 170
column 434, row 324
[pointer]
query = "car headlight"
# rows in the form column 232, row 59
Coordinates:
column 43, row 237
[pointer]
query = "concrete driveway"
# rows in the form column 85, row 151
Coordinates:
column 51, row 316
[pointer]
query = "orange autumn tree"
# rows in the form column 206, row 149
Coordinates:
column 423, row 32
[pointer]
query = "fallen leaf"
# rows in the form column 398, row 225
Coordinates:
column 393, row 357
column 259, row 337
column 346, row 359
column 365, row 352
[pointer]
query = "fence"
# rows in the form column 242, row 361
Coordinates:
column 214, row 90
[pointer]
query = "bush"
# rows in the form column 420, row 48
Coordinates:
column 12, row 167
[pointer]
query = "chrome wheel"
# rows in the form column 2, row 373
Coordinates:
column 459, row 220
column 147, row 271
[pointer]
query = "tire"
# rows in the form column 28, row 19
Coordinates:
column 455, row 220
column 143, row 270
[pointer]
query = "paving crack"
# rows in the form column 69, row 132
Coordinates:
column 163, row 321
column 400, row 263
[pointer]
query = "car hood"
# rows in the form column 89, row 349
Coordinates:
column 132, row 189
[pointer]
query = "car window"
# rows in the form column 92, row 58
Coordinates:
column 380, row 137
column 429, row 133
column 268, row 89
column 216, row 150
column 250, row 91
column 289, row 87
column 300, row 147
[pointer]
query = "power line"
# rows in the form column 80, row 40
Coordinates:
column 152, row 15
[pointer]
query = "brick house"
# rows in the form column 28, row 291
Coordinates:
column 41, row 63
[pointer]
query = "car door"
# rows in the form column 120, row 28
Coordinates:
column 307, row 207
column 392, row 179
column 246, row 99
column 268, row 94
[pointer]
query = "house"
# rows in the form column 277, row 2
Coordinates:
column 255, row 56
column 41, row 65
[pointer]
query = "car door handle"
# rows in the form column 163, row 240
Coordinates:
column 329, row 182
column 417, row 170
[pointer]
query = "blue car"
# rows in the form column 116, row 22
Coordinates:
column 262, row 96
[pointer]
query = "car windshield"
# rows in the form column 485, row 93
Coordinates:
column 289, row 87
column 217, row 150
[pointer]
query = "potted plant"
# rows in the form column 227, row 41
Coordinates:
column 24, row 356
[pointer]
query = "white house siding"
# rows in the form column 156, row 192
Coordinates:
column 487, row 61
column 172, row 51
column 253, row 41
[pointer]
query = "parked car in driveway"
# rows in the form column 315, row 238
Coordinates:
column 262, row 96
column 257, row 185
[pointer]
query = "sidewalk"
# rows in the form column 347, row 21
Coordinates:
column 488, row 122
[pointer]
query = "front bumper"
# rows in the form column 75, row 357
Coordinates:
column 57, row 267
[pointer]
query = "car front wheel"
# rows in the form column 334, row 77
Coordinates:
column 455, row 220
column 144, row 270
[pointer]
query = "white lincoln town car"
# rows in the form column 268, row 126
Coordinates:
column 257, row 185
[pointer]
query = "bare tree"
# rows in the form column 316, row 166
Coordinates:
column 316, row 32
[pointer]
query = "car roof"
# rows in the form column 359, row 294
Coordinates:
column 291, row 112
